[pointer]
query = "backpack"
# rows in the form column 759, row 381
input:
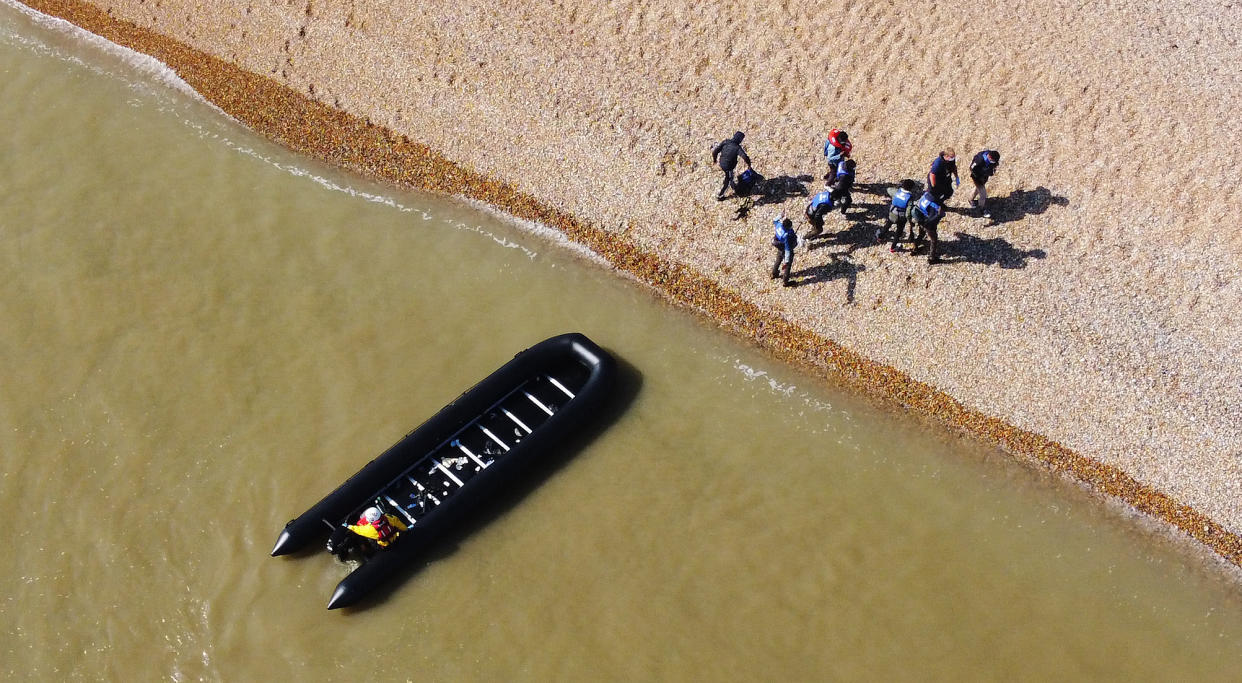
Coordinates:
column 746, row 181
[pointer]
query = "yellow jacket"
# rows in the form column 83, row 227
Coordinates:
column 368, row 531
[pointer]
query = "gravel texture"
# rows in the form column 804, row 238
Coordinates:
column 1090, row 323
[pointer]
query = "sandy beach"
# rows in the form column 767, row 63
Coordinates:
column 1089, row 324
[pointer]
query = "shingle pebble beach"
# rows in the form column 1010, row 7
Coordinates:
column 1090, row 324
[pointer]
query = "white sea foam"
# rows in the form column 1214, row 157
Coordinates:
column 752, row 374
column 539, row 229
column 144, row 71
column 150, row 69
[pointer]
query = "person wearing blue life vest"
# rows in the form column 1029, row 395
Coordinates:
column 836, row 149
column 926, row 215
column 784, row 240
column 938, row 178
column 981, row 168
column 816, row 209
column 899, row 208
column 843, row 183
column 725, row 154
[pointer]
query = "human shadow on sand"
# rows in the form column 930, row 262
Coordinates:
column 878, row 189
column 867, row 211
column 855, row 233
column 771, row 191
column 743, row 209
column 1016, row 205
column 996, row 251
column 838, row 267
column 778, row 189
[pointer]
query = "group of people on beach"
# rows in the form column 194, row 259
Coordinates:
column 921, row 211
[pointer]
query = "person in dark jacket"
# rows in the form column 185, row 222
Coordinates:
column 981, row 168
column 842, row 183
column 725, row 154
column 943, row 168
column 784, row 240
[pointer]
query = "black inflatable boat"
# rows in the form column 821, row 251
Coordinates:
column 453, row 461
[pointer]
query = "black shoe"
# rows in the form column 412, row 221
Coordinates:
column 720, row 198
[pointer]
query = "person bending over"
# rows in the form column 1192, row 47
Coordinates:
column 725, row 154
column 898, row 212
column 816, row 209
column 926, row 215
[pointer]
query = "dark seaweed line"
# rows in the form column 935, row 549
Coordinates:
column 310, row 127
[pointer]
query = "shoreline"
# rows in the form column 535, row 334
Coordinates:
column 309, row 126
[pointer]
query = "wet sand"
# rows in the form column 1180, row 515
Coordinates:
column 1090, row 325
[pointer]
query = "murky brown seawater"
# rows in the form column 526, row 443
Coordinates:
column 203, row 334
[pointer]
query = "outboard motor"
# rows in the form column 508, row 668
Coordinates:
column 344, row 544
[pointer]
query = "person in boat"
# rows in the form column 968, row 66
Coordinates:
column 378, row 527
column 725, row 154
column 898, row 212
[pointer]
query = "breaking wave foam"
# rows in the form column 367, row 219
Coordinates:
column 146, row 70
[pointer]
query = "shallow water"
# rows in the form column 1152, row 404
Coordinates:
column 205, row 333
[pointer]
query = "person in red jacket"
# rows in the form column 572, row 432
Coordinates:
column 836, row 149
